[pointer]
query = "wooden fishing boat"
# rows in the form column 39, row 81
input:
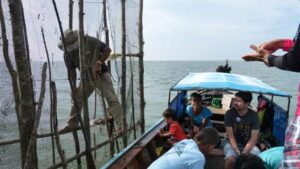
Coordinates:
column 217, row 90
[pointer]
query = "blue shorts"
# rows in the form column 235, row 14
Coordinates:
column 230, row 152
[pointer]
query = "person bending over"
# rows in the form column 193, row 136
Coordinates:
column 189, row 153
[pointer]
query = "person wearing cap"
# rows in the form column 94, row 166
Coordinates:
column 242, row 129
column 289, row 61
column 98, row 77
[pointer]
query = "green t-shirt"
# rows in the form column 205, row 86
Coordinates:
column 272, row 157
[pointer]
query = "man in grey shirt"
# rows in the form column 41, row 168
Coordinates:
column 242, row 128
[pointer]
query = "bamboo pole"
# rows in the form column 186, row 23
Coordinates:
column 109, row 123
column 83, row 77
column 26, row 107
column 3, row 143
column 123, row 78
column 75, row 134
column 141, row 67
column 85, row 135
column 132, row 98
column 54, row 124
column 106, row 29
column 71, row 14
column 50, row 89
column 12, row 72
column 32, row 143
column 92, row 149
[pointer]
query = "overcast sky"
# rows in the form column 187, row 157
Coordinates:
column 214, row 29
column 181, row 29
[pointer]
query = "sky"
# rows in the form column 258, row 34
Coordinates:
column 214, row 29
column 175, row 29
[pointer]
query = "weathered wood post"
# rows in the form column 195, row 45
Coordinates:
column 123, row 78
column 109, row 122
column 25, row 86
column 141, row 67
column 75, row 135
column 11, row 70
column 83, row 77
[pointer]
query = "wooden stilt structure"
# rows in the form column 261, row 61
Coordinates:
column 141, row 67
column 25, row 87
column 22, row 83
column 83, row 75
column 123, row 78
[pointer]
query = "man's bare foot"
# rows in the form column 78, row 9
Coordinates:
column 98, row 121
column 67, row 128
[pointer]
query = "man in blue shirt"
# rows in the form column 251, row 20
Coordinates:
column 199, row 116
column 272, row 157
column 189, row 153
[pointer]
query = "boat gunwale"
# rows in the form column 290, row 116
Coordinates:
column 134, row 143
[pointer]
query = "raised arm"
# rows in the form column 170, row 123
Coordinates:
column 289, row 61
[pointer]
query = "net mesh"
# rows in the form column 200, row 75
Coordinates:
column 40, row 14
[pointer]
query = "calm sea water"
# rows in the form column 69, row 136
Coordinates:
column 159, row 77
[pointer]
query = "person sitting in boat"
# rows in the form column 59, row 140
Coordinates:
column 269, row 159
column 249, row 161
column 198, row 115
column 189, row 153
column 175, row 133
column 242, row 128
column 272, row 157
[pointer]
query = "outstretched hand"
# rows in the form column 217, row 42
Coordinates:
column 260, row 55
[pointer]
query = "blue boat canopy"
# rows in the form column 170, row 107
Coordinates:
column 226, row 81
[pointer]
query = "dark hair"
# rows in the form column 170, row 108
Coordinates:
column 208, row 135
column 249, row 161
column 196, row 96
column 245, row 96
column 169, row 113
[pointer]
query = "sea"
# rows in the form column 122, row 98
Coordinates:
column 159, row 77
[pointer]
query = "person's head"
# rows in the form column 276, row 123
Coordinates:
column 169, row 115
column 242, row 100
column 71, row 40
column 249, row 161
column 195, row 100
column 207, row 139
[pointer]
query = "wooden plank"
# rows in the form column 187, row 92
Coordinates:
column 216, row 110
column 215, row 159
column 147, row 160
column 151, row 135
column 134, row 164
column 216, row 152
column 214, row 162
column 132, row 154
column 126, row 159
